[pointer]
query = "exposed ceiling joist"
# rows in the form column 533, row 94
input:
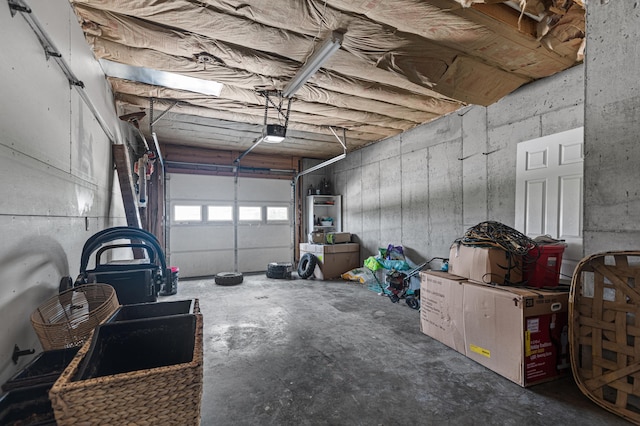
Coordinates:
column 400, row 64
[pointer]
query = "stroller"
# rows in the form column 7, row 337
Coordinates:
column 398, row 283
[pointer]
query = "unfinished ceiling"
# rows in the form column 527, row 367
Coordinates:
column 401, row 63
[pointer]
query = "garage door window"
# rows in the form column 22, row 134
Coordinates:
column 250, row 214
column 275, row 214
column 219, row 213
column 187, row 213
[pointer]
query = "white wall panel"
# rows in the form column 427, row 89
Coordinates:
column 35, row 109
column 55, row 166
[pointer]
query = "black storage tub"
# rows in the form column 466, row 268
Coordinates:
column 43, row 369
column 123, row 347
column 152, row 310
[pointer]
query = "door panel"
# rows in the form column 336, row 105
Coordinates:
column 535, row 207
column 549, row 191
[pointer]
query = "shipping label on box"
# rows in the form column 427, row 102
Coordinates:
column 441, row 308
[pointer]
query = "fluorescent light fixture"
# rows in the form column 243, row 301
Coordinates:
column 273, row 139
column 314, row 63
column 161, row 78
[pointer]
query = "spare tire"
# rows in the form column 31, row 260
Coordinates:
column 229, row 278
column 307, row 265
column 279, row 270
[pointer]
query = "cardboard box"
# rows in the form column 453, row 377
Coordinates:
column 441, row 315
column 485, row 264
column 334, row 259
column 338, row 237
column 520, row 334
column 316, row 237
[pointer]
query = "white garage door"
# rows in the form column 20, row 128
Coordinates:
column 203, row 210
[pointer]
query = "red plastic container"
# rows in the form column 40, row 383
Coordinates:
column 542, row 265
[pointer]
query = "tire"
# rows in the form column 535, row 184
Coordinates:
column 307, row 265
column 229, row 278
column 413, row 302
column 279, row 270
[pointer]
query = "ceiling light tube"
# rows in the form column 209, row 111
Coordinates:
column 160, row 78
column 328, row 48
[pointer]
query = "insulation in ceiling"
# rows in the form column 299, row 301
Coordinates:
column 401, row 63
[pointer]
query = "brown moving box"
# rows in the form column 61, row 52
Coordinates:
column 333, row 259
column 441, row 315
column 518, row 333
column 485, row 264
column 338, row 237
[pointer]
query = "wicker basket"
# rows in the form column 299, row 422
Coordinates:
column 604, row 331
column 166, row 395
column 68, row 318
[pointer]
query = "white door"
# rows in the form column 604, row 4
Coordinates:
column 202, row 241
column 549, row 191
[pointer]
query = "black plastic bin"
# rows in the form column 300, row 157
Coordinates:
column 123, row 347
column 28, row 406
column 152, row 310
column 43, row 369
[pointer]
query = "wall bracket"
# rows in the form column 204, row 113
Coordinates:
column 17, row 353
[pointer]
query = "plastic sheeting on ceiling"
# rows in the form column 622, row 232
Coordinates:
column 402, row 63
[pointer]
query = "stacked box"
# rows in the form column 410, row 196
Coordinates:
column 485, row 264
column 518, row 333
column 333, row 259
column 441, row 315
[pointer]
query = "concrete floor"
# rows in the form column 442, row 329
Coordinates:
column 306, row 352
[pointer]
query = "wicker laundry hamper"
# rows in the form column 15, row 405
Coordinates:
column 604, row 331
column 159, row 395
column 68, row 318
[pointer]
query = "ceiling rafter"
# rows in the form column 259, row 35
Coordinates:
column 401, row 63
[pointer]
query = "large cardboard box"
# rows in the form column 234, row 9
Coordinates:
column 441, row 314
column 485, row 264
column 518, row 333
column 333, row 259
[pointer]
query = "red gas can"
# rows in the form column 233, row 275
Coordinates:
column 542, row 265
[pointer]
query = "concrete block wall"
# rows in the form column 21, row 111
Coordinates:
column 612, row 148
column 57, row 180
column 424, row 188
